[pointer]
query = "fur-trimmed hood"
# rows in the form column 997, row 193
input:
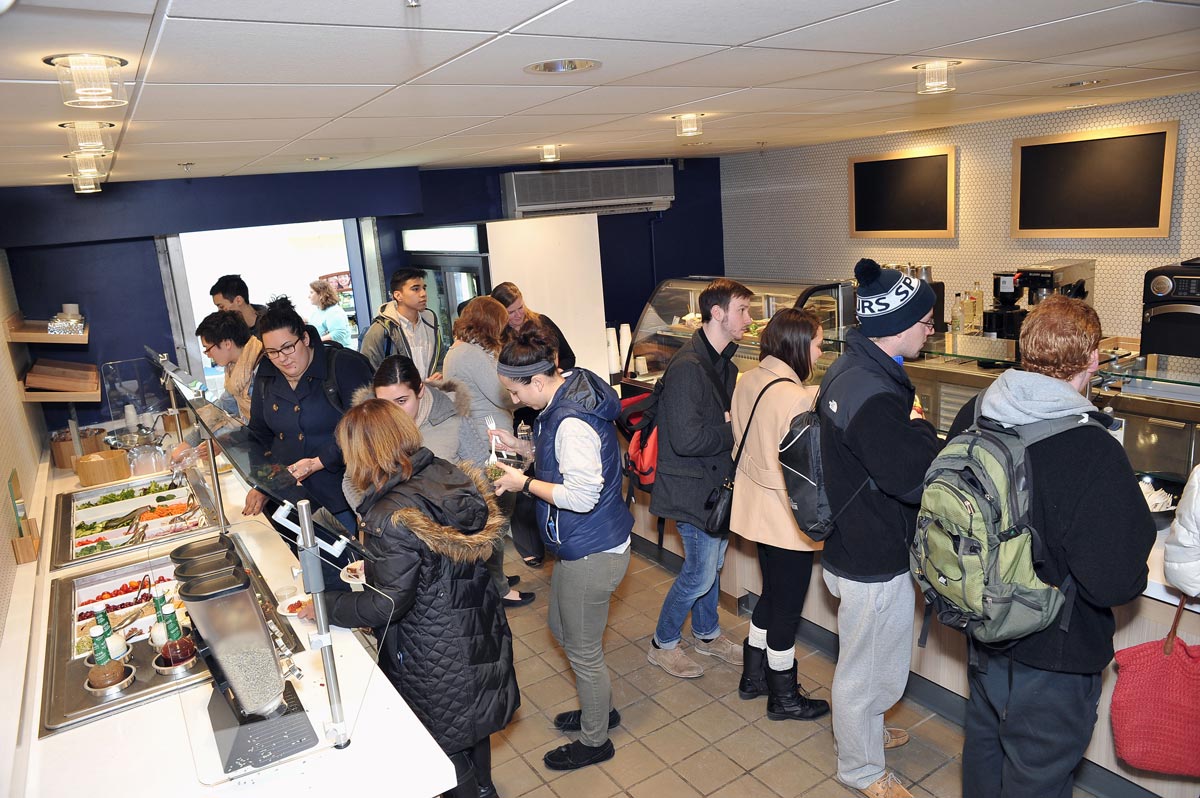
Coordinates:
column 451, row 509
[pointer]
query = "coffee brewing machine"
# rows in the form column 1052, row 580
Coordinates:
column 1066, row 276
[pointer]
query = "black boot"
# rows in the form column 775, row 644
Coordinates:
column 786, row 700
column 754, row 672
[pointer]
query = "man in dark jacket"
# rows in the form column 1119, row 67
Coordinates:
column 695, row 440
column 875, row 450
column 405, row 326
column 1032, row 708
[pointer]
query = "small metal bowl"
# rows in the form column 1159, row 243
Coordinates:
column 174, row 671
column 127, row 657
column 112, row 689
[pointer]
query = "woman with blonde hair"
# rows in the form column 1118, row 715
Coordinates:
column 330, row 320
column 444, row 642
column 508, row 295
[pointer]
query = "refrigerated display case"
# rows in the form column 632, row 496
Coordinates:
column 672, row 316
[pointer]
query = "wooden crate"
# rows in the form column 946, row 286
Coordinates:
column 61, row 375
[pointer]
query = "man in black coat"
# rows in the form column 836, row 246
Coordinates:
column 873, row 438
column 695, row 442
column 1033, row 707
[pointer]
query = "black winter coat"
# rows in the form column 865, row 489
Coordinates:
column 447, row 647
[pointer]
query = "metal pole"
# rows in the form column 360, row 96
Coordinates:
column 216, row 478
column 314, row 584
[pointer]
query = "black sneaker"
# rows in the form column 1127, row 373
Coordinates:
column 577, row 755
column 571, row 721
column 525, row 598
column 513, row 581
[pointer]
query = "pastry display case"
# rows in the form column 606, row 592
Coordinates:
column 672, row 316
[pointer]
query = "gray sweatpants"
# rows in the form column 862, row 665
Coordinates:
column 875, row 629
column 580, row 591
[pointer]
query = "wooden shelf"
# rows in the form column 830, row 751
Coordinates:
column 61, row 381
column 34, row 331
column 59, row 396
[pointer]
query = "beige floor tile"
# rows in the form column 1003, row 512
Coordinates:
column 751, row 709
column 945, row 782
column 556, row 658
column 920, row 792
column 940, row 733
column 673, row 742
column 645, row 600
column 719, row 679
column 521, row 650
column 714, row 721
column 540, row 640
column 643, row 717
column 619, row 610
column 915, row 760
column 750, row 747
column 633, row 763
column 532, row 671
column 589, row 782
column 906, row 714
column 682, row 698
column 818, row 751
column 543, row 791
column 522, row 625
column 624, row 694
column 665, row 784
column 816, row 667
column 636, row 628
column 514, row 777
column 651, row 679
column 832, row 788
column 548, row 692
column 789, row 733
column 625, row 659
column 745, row 787
column 709, row 770
column 532, row 733
column 788, row 775
column 501, row 750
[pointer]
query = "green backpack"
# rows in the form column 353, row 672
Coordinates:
column 975, row 550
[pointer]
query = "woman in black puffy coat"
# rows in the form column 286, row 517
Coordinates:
column 444, row 640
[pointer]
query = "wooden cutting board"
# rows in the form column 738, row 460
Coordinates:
column 61, row 375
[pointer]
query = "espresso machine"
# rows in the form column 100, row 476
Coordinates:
column 1066, row 276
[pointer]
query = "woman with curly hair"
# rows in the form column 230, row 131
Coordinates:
column 330, row 320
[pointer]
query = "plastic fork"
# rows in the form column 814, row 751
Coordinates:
column 491, row 425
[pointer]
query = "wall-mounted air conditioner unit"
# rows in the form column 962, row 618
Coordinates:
column 621, row 189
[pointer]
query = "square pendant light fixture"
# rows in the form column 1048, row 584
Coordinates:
column 688, row 124
column 87, row 165
column 936, row 77
column 85, row 185
column 89, row 138
column 548, row 152
column 89, row 81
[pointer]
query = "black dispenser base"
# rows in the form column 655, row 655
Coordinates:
column 259, row 742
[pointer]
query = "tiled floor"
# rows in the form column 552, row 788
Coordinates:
column 687, row 737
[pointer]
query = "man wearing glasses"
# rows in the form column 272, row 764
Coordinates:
column 872, row 431
column 227, row 341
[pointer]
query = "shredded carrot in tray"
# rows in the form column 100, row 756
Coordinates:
column 163, row 511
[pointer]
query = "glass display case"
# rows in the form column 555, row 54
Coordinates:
column 672, row 316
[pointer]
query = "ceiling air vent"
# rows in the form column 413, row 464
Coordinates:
column 622, row 189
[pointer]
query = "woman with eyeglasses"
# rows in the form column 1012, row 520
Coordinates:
column 302, row 389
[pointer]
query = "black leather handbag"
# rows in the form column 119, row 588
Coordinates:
column 720, row 501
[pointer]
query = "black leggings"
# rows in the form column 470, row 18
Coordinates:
column 785, row 576
column 473, row 768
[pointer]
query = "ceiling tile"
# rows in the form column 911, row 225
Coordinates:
column 364, row 147
column 27, row 35
column 1174, row 51
column 482, row 142
column 856, row 101
column 1113, row 82
column 198, row 151
column 908, row 26
column 444, row 14
column 34, row 174
column 1011, row 77
column 281, row 164
column 626, row 99
column 504, row 59
column 128, row 168
column 682, row 21
column 41, row 104
column 413, row 100
column 205, row 51
column 245, row 101
column 1088, row 32
column 49, row 154
column 217, row 130
column 534, row 124
column 112, row 6
column 427, row 126
column 741, row 67
column 754, row 100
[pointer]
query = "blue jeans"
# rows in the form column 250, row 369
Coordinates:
column 696, row 589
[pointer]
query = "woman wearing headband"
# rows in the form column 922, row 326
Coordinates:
column 582, row 517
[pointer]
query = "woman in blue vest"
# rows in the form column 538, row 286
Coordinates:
column 582, row 518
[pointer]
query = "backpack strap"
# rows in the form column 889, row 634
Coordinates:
column 710, row 370
column 746, row 432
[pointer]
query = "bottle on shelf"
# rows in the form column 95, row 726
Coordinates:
column 976, row 308
column 159, row 596
column 107, row 671
column 956, row 314
column 178, row 648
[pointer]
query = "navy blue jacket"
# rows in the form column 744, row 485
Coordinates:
column 864, row 404
column 294, row 423
column 607, row 525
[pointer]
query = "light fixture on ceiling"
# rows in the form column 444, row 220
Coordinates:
column 89, row 137
column 548, row 153
column 89, row 81
column 87, row 165
column 85, row 185
column 413, row 3
column 1079, row 84
column 688, row 124
column 1081, row 105
column 320, row 158
column 936, row 77
column 560, row 66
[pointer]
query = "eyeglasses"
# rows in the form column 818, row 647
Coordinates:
column 209, row 348
column 928, row 324
column 284, row 351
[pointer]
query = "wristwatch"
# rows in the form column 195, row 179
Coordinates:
column 525, row 489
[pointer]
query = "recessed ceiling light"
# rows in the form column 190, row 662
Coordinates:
column 548, row 153
column 88, row 80
column 688, row 124
column 1075, row 84
column 936, row 77
column 1081, row 105
column 560, row 66
column 320, row 157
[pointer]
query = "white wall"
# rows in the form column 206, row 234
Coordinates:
column 555, row 261
column 785, row 211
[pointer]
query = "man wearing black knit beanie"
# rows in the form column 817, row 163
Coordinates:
column 872, row 434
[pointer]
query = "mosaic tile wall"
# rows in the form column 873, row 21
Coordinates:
column 21, row 450
column 785, row 211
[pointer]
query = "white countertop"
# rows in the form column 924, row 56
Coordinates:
column 173, row 736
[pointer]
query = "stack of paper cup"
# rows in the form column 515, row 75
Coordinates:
column 614, row 353
column 625, row 338
column 131, row 418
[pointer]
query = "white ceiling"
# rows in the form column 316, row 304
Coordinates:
column 239, row 87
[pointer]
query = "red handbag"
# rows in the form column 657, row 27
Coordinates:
column 1156, row 705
